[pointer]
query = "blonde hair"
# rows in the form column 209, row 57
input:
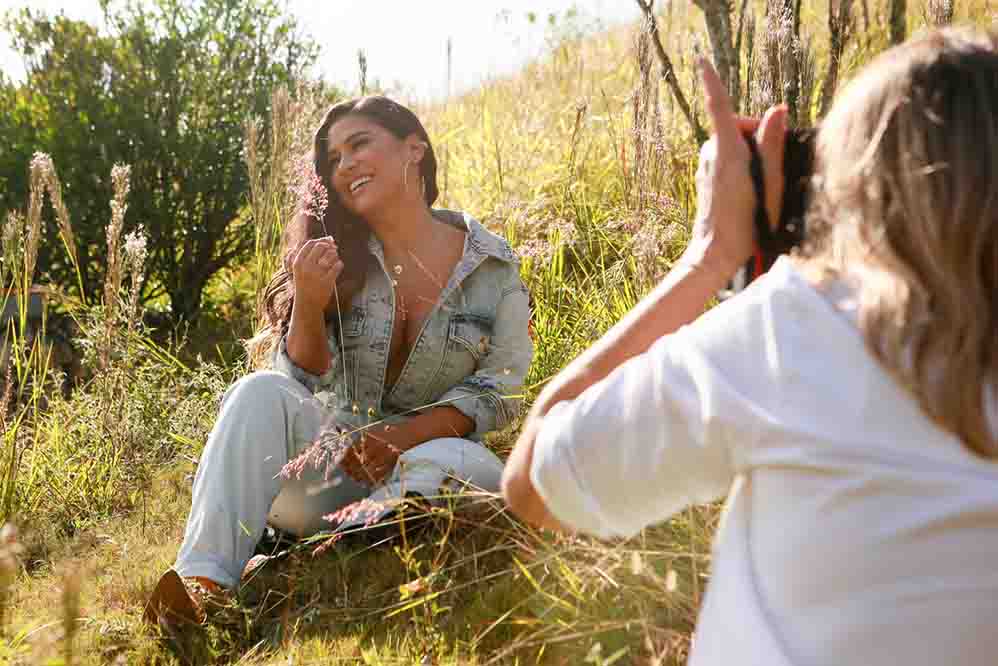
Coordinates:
column 906, row 192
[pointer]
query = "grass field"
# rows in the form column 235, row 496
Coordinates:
column 585, row 163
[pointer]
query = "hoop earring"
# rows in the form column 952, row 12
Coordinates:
column 405, row 174
column 422, row 188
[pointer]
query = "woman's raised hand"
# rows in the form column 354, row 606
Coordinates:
column 725, row 197
column 315, row 266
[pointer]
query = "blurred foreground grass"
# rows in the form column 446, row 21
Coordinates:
column 584, row 163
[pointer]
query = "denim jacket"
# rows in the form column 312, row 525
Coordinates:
column 472, row 353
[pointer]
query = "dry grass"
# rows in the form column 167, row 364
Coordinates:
column 584, row 162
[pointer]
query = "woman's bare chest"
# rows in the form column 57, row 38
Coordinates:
column 417, row 287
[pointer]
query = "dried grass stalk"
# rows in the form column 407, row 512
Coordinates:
column 940, row 12
column 71, row 584
column 669, row 72
column 11, row 241
column 135, row 252
column 120, row 176
column 40, row 164
column 640, row 106
column 275, row 161
column 61, row 212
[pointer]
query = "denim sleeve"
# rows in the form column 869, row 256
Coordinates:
column 283, row 364
column 491, row 397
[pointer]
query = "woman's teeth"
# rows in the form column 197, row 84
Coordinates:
column 357, row 184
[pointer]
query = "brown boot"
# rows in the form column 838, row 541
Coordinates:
column 173, row 602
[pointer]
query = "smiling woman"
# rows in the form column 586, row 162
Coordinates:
column 399, row 338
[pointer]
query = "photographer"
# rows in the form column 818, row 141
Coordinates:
column 844, row 402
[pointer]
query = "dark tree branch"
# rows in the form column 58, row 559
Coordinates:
column 741, row 27
column 717, row 17
column 898, row 21
column 839, row 23
column 668, row 71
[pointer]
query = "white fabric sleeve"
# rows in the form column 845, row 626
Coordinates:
column 646, row 441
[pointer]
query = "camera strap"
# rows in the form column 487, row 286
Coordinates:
column 771, row 242
column 764, row 236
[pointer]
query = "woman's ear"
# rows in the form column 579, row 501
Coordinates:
column 416, row 148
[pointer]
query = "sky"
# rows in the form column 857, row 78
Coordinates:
column 404, row 40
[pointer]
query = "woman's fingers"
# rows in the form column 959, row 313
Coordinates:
column 771, row 138
column 335, row 269
column 321, row 251
column 367, row 461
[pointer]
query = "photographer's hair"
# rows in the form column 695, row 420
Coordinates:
column 906, row 190
column 350, row 231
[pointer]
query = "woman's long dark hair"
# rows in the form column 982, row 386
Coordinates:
column 350, row 231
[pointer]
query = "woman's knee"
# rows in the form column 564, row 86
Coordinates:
column 260, row 417
column 461, row 459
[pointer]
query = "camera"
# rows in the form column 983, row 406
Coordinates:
column 791, row 230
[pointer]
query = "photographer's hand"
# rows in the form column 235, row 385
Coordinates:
column 726, row 200
column 722, row 241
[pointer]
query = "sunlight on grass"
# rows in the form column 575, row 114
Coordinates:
column 596, row 198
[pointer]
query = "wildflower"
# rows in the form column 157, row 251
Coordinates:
column 135, row 246
column 135, row 252
column 54, row 188
column 40, row 165
column 308, row 189
column 120, row 180
column 366, row 509
column 10, row 240
column 327, row 450
column 120, row 175
column 534, row 249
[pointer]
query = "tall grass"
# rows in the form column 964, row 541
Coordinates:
column 584, row 161
column 76, row 459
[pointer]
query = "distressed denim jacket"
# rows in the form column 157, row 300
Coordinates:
column 472, row 352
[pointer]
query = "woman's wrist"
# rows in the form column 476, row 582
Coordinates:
column 306, row 339
column 405, row 433
column 713, row 262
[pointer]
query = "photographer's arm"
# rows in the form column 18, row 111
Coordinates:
column 677, row 300
column 722, row 241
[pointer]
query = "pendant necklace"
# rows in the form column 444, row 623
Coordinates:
column 403, row 313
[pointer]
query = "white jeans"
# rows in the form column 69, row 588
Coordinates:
column 267, row 419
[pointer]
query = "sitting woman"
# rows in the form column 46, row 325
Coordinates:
column 396, row 328
column 845, row 402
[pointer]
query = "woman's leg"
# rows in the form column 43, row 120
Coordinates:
column 266, row 419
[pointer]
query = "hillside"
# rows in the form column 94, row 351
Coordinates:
column 585, row 163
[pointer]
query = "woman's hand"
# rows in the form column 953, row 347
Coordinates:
column 315, row 265
column 724, row 230
column 372, row 457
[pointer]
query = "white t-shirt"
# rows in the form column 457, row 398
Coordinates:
column 856, row 531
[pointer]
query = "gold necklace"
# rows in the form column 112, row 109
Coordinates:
column 398, row 269
column 403, row 312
